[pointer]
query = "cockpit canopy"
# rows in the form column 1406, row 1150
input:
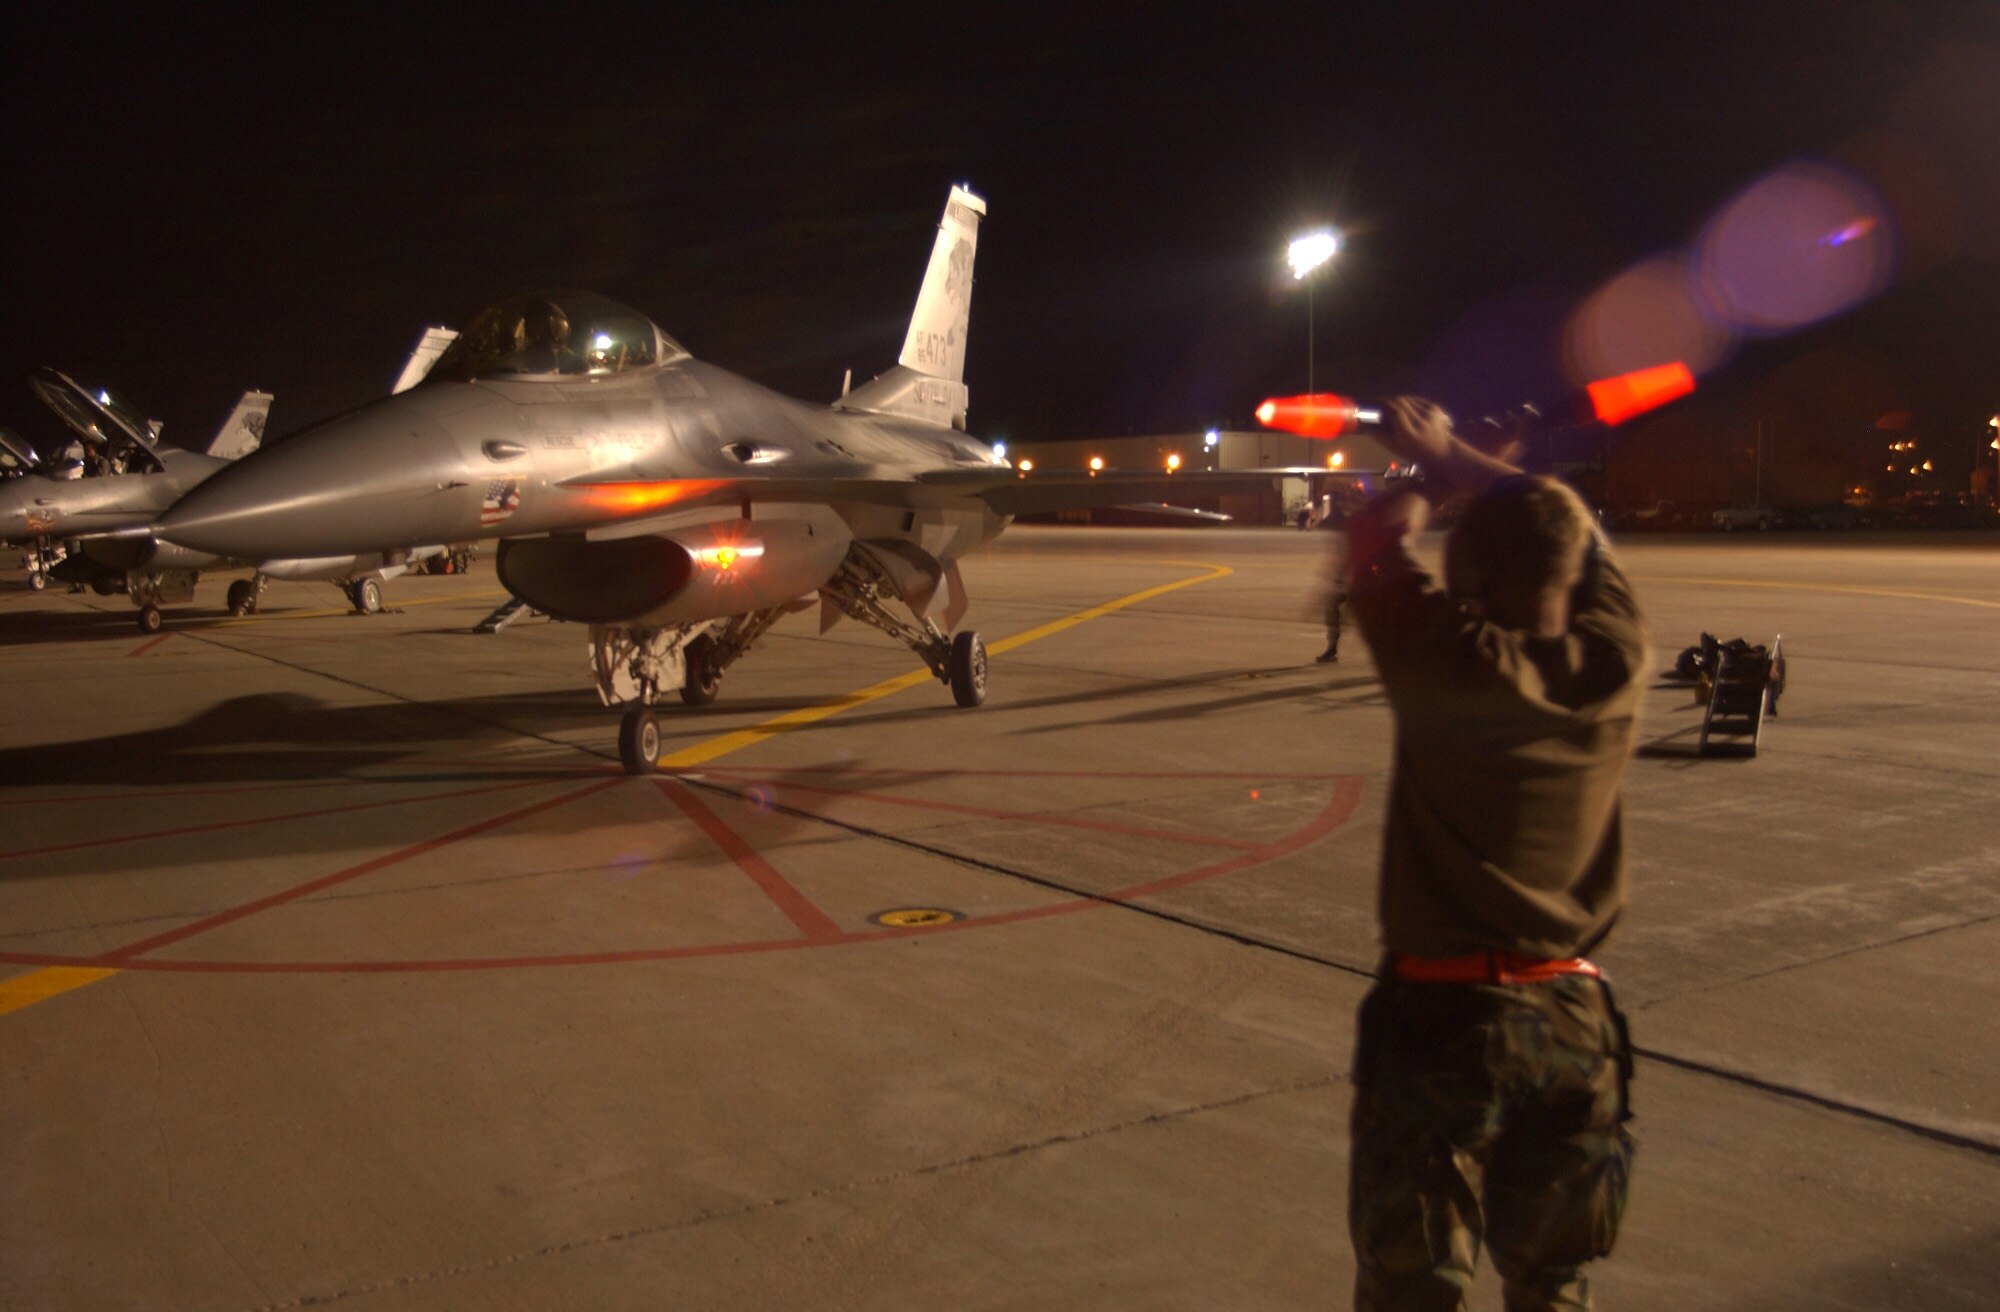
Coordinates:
column 556, row 334
column 102, row 420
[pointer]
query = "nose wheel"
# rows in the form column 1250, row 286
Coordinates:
column 639, row 741
column 150, row 619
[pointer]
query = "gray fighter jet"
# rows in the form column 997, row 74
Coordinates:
column 120, row 478
column 89, row 521
column 677, row 509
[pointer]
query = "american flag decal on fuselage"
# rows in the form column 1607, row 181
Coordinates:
column 503, row 498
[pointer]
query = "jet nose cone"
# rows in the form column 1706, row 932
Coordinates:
column 376, row 480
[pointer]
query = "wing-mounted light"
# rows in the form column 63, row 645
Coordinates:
column 723, row 557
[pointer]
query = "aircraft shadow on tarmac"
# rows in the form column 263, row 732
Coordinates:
column 25, row 629
column 32, row 628
column 1305, row 697
column 288, row 736
column 1288, row 690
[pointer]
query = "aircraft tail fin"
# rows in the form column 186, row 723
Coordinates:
column 244, row 429
column 936, row 342
column 418, row 366
column 928, row 382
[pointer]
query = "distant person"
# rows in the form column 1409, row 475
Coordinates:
column 1491, row 1065
column 1333, row 582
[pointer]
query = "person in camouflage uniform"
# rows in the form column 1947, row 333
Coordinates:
column 1494, row 1109
column 1491, row 1064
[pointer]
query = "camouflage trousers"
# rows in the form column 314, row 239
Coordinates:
column 1486, row 1112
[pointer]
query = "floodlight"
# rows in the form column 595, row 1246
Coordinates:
column 1310, row 251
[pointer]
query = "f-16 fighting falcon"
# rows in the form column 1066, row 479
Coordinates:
column 127, row 477
column 677, row 509
column 120, row 480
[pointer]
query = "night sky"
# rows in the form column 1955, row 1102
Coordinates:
column 206, row 199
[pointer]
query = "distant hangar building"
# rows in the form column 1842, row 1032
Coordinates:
column 1278, row 503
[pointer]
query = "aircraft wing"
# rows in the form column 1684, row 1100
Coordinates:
column 646, row 498
column 1005, row 491
column 1075, row 489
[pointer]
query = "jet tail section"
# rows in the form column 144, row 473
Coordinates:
column 928, row 382
column 429, row 348
column 241, row 433
column 907, row 394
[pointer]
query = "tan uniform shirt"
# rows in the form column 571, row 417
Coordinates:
column 1503, row 828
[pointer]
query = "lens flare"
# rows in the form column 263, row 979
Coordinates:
column 1648, row 313
column 1801, row 245
column 1854, row 231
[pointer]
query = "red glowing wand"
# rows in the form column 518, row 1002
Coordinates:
column 1609, row 401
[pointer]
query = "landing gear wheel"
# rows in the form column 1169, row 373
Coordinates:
column 967, row 667
column 639, row 741
column 36, row 582
column 150, row 619
column 367, row 596
column 242, row 597
column 703, row 679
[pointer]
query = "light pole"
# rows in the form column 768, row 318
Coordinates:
column 1304, row 255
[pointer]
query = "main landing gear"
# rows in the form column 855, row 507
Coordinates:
column 364, row 594
column 966, row 669
column 245, row 594
column 862, row 590
column 149, row 592
column 638, row 667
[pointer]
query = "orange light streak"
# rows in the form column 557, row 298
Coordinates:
column 631, row 498
column 1316, row 414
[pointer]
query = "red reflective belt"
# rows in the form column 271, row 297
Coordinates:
column 1487, row 968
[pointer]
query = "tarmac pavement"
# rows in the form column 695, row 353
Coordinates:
column 341, row 965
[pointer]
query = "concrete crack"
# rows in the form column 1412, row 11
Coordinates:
column 812, row 1195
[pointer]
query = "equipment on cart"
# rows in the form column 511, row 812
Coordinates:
column 1741, row 684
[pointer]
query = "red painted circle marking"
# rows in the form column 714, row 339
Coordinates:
column 816, row 929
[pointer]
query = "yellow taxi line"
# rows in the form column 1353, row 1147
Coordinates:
column 1820, row 587
column 50, row 981
column 757, row 733
column 40, row 985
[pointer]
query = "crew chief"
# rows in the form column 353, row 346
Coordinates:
column 1491, row 1064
